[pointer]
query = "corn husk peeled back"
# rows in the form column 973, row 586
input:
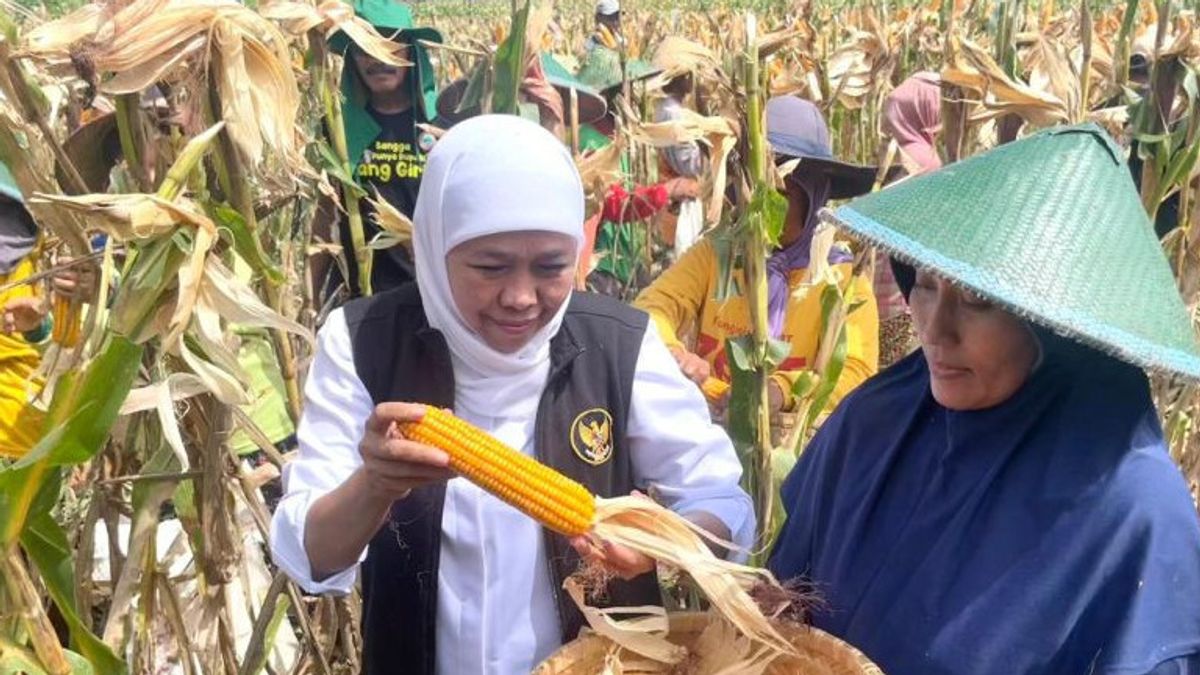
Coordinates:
column 639, row 524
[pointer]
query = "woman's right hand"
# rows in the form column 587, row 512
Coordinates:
column 693, row 366
column 393, row 465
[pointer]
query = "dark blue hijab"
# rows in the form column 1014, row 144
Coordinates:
column 1050, row 534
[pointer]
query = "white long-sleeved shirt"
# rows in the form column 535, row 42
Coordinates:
column 495, row 601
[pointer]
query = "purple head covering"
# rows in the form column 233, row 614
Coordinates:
column 796, row 128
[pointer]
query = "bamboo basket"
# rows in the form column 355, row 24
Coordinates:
column 820, row 652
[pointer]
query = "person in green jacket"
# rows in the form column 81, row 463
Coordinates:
column 382, row 108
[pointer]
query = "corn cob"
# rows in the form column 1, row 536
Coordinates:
column 542, row 493
column 714, row 389
column 66, row 322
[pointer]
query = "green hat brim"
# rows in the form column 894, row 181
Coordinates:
column 592, row 105
column 339, row 42
column 1051, row 229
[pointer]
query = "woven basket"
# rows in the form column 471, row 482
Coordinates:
column 820, row 652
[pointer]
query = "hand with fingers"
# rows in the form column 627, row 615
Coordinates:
column 392, row 464
column 76, row 281
column 694, row 367
column 24, row 315
column 619, row 560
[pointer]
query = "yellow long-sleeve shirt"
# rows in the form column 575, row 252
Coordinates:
column 683, row 296
column 20, row 422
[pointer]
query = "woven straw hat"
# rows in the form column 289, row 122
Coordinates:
column 1051, row 228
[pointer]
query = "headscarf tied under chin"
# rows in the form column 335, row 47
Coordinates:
column 795, row 127
column 795, row 256
column 489, row 175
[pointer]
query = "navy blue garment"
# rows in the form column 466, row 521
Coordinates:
column 1050, row 534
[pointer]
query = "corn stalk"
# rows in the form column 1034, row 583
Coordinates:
column 325, row 79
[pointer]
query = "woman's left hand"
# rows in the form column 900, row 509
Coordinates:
column 620, row 560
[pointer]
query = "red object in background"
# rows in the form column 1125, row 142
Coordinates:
column 622, row 207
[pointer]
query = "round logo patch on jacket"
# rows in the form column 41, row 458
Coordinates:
column 591, row 436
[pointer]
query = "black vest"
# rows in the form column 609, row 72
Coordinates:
column 399, row 357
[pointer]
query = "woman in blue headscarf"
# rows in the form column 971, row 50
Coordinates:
column 1002, row 501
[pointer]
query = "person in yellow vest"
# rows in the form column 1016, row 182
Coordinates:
column 684, row 296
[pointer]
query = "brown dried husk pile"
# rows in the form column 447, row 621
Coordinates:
column 713, row 648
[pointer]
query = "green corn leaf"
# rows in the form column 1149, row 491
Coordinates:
column 829, row 379
column 46, row 544
column 804, row 385
column 741, row 353
column 742, row 400
column 510, row 66
column 245, row 242
column 777, row 353
column 17, row 660
column 334, row 167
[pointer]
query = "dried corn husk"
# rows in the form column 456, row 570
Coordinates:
column 151, row 40
column 665, row 536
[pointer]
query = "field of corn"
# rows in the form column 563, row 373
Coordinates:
column 132, row 536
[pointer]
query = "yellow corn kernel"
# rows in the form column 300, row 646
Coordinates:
column 714, row 389
column 542, row 493
column 66, row 322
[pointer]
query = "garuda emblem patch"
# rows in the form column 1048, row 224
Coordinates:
column 591, row 436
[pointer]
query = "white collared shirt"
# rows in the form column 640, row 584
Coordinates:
column 495, row 601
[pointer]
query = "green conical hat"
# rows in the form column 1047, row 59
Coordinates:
column 602, row 69
column 1050, row 227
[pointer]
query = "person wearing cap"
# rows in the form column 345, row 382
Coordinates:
column 608, row 26
column 628, row 208
column 454, row 580
column 383, row 106
column 1003, row 500
column 684, row 295
column 912, row 116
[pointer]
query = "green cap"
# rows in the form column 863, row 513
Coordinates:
column 391, row 19
column 602, row 69
column 1051, row 228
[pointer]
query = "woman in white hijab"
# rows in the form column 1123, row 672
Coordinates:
column 454, row 580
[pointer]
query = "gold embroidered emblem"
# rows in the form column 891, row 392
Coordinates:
column 591, row 436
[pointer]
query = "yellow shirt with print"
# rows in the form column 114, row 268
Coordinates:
column 684, row 296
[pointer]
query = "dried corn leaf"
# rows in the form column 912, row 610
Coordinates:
column 665, row 536
column 234, row 301
column 153, row 70
column 645, row 633
column 390, row 220
column 130, row 217
column 332, row 16
column 975, row 70
column 689, row 127
column 854, row 68
column 1052, row 73
column 719, row 650
column 675, row 56
column 161, row 397
column 190, row 276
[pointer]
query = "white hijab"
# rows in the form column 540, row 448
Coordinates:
column 487, row 175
